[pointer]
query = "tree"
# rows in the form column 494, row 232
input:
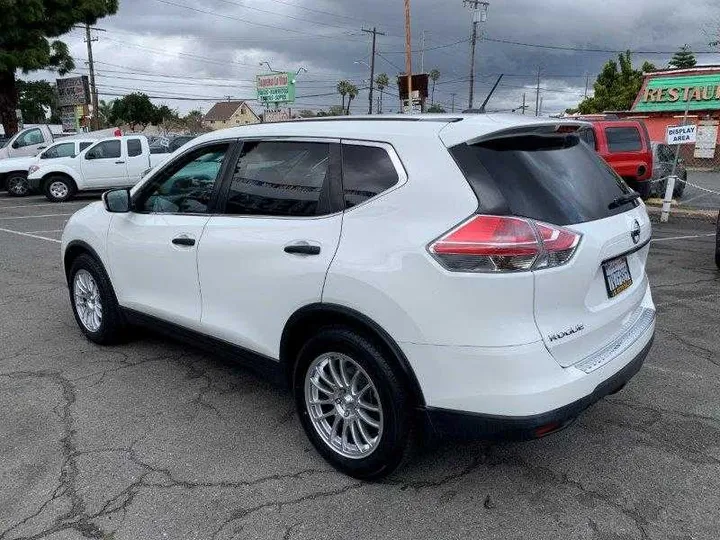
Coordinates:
column 25, row 30
column 105, row 112
column 352, row 94
column 381, row 81
column 193, row 121
column 616, row 87
column 135, row 109
column 683, row 59
column 434, row 76
column 435, row 108
column 343, row 87
column 34, row 98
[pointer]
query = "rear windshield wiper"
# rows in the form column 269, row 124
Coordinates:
column 623, row 199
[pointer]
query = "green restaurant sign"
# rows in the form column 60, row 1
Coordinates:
column 672, row 93
column 278, row 87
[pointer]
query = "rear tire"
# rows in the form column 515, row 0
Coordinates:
column 59, row 189
column 93, row 301
column 367, row 433
column 17, row 185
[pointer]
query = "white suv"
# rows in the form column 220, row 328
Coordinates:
column 476, row 275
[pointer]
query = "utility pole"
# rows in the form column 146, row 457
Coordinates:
column 479, row 9
column 453, row 101
column 374, row 33
column 523, row 105
column 537, row 94
column 91, row 67
column 422, row 53
column 408, row 55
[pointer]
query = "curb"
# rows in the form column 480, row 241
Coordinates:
column 710, row 216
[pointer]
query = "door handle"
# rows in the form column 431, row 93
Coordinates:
column 183, row 241
column 302, row 249
column 119, row 162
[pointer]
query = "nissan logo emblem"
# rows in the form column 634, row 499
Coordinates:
column 635, row 232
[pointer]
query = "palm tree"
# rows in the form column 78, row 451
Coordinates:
column 434, row 76
column 352, row 92
column 382, row 82
column 105, row 112
column 342, row 88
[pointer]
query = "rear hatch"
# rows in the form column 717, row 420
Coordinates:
column 593, row 301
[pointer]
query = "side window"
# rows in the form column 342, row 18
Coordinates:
column 33, row 136
column 186, row 185
column 104, row 150
column 279, row 179
column 367, row 171
column 58, row 151
column 588, row 137
column 134, row 147
column 623, row 139
column 84, row 145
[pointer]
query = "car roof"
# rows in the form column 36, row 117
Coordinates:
column 455, row 128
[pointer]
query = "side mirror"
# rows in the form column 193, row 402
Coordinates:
column 117, row 200
column 41, row 147
column 15, row 145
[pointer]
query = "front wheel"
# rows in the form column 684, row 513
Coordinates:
column 93, row 301
column 352, row 404
column 17, row 185
column 59, row 189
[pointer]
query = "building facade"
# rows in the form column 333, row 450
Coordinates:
column 227, row 114
column 663, row 99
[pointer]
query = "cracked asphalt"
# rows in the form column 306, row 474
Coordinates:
column 155, row 440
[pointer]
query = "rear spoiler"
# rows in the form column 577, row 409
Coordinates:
column 550, row 128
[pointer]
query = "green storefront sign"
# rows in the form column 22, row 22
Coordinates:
column 276, row 87
column 673, row 93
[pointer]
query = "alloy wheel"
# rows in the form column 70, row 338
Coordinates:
column 87, row 300
column 59, row 190
column 17, row 186
column 344, row 405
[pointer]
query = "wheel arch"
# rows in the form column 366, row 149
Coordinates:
column 314, row 316
column 76, row 248
column 54, row 174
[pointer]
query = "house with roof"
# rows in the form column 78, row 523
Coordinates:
column 226, row 114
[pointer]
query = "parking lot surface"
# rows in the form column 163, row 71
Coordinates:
column 155, row 440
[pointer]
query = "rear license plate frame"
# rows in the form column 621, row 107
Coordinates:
column 618, row 265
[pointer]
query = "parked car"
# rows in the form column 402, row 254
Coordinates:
column 167, row 146
column 14, row 171
column 481, row 275
column 663, row 159
column 625, row 146
column 113, row 162
column 31, row 140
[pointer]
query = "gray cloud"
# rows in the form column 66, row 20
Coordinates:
column 217, row 45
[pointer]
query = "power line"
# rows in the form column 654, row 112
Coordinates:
column 584, row 49
column 283, row 15
column 400, row 70
column 263, row 25
column 464, row 40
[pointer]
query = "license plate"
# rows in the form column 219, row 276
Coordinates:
column 617, row 276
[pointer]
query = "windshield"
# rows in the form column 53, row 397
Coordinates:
column 550, row 178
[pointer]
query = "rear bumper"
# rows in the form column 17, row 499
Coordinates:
column 446, row 422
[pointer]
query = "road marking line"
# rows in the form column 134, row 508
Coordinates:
column 30, row 235
column 681, row 237
column 43, row 204
column 32, row 217
column 39, row 232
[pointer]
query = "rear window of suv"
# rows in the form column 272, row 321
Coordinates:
column 623, row 139
column 554, row 178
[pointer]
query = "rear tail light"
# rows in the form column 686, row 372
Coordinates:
column 504, row 244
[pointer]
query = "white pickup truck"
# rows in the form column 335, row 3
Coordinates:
column 14, row 171
column 33, row 139
column 109, row 163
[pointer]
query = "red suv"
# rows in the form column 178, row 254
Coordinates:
column 625, row 145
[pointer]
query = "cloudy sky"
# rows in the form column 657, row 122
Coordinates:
column 189, row 53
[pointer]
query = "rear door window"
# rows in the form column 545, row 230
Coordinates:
column 623, row 139
column 134, row 147
column 554, row 179
column 367, row 171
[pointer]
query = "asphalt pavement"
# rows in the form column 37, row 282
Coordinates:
column 702, row 191
column 154, row 440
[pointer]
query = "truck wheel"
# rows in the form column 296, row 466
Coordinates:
column 59, row 189
column 17, row 185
